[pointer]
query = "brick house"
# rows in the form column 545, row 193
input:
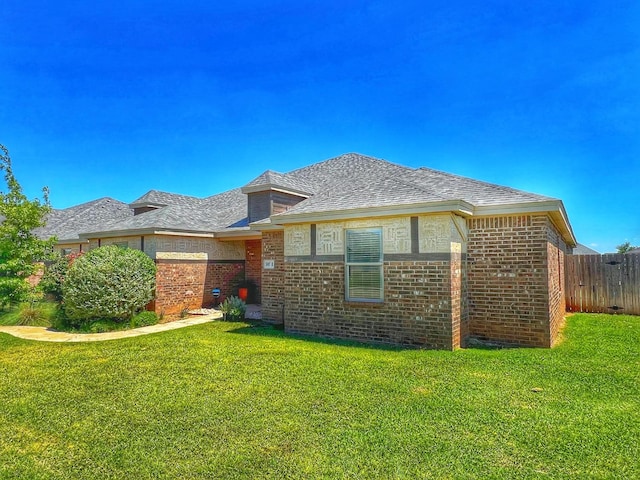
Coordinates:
column 359, row 248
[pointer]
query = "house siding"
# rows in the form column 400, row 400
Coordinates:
column 187, row 284
column 273, row 290
column 254, row 265
column 508, row 280
column 417, row 309
column 556, row 251
column 424, row 283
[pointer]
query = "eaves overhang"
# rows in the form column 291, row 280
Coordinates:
column 274, row 187
column 459, row 207
column 554, row 208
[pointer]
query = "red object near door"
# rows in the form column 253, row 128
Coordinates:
column 243, row 293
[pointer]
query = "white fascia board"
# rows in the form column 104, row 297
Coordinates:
column 460, row 207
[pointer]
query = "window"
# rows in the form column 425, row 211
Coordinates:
column 363, row 265
column 124, row 244
column 65, row 251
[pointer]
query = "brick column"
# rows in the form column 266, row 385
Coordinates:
column 273, row 279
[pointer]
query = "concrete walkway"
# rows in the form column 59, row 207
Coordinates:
column 45, row 335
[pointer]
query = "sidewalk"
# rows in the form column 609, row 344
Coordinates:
column 43, row 334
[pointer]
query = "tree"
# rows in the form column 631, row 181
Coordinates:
column 108, row 283
column 625, row 247
column 20, row 248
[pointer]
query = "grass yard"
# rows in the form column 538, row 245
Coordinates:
column 223, row 400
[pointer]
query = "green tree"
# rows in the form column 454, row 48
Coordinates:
column 625, row 247
column 20, row 248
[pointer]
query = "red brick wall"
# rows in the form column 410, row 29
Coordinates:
column 507, row 279
column 417, row 309
column 273, row 280
column 254, row 264
column 187, row 284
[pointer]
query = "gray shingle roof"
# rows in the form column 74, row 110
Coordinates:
column 354, row 181
column 584, row 250
column 157, row 197
column 213, row 213
column 271, row 179
column 66, row 224
column 350, row 181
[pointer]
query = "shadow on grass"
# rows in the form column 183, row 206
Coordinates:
column 277, row 331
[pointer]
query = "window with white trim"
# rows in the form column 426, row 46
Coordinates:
column 363, row 265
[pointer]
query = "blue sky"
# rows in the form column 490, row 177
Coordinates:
column 197, row 97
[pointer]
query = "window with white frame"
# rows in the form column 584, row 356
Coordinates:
column 363, row 265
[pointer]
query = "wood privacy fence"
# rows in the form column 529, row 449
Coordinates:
column 607, row 283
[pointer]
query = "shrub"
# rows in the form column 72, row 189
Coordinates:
column 108, row 283
column 54, row 275
column 144, row 319
column 233, row 308
column 13, row 291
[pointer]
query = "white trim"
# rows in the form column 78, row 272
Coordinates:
column 460, row 207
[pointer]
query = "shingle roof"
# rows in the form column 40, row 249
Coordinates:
column 159, row 198
column 347, row 182
column 217, row 212
column 354, row 181
column 584, row 250
column 66, row 224
column 271, row 179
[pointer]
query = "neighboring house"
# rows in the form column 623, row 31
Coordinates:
column 357, row 247
column 583, row 250
column 635, row 250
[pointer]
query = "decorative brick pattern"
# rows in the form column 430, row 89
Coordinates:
column 273, row 289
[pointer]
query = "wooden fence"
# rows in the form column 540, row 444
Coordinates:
column 607, row 283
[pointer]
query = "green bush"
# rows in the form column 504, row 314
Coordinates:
column 144, row 319
column 54, row 275
column 233, row 308
column 108, row 283
column 13, row 291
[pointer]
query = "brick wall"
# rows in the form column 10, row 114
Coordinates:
column 556, row 251
column 254, row 264
column 187, row 284
column 508, row 280
column 273, row 279
column 417, row 309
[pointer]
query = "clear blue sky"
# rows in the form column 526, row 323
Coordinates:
column 196, row 97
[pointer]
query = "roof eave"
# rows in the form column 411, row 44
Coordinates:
column 275, row 187
column 459, row 207
column 146, row 231
column 554, row 208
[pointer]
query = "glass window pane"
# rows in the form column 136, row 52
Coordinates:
column 365, row 281
column 364, row 246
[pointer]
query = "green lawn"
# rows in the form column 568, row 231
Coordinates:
column 223, row 400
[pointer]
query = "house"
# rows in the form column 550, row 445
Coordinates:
column 581, row 249
column 360, row 248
